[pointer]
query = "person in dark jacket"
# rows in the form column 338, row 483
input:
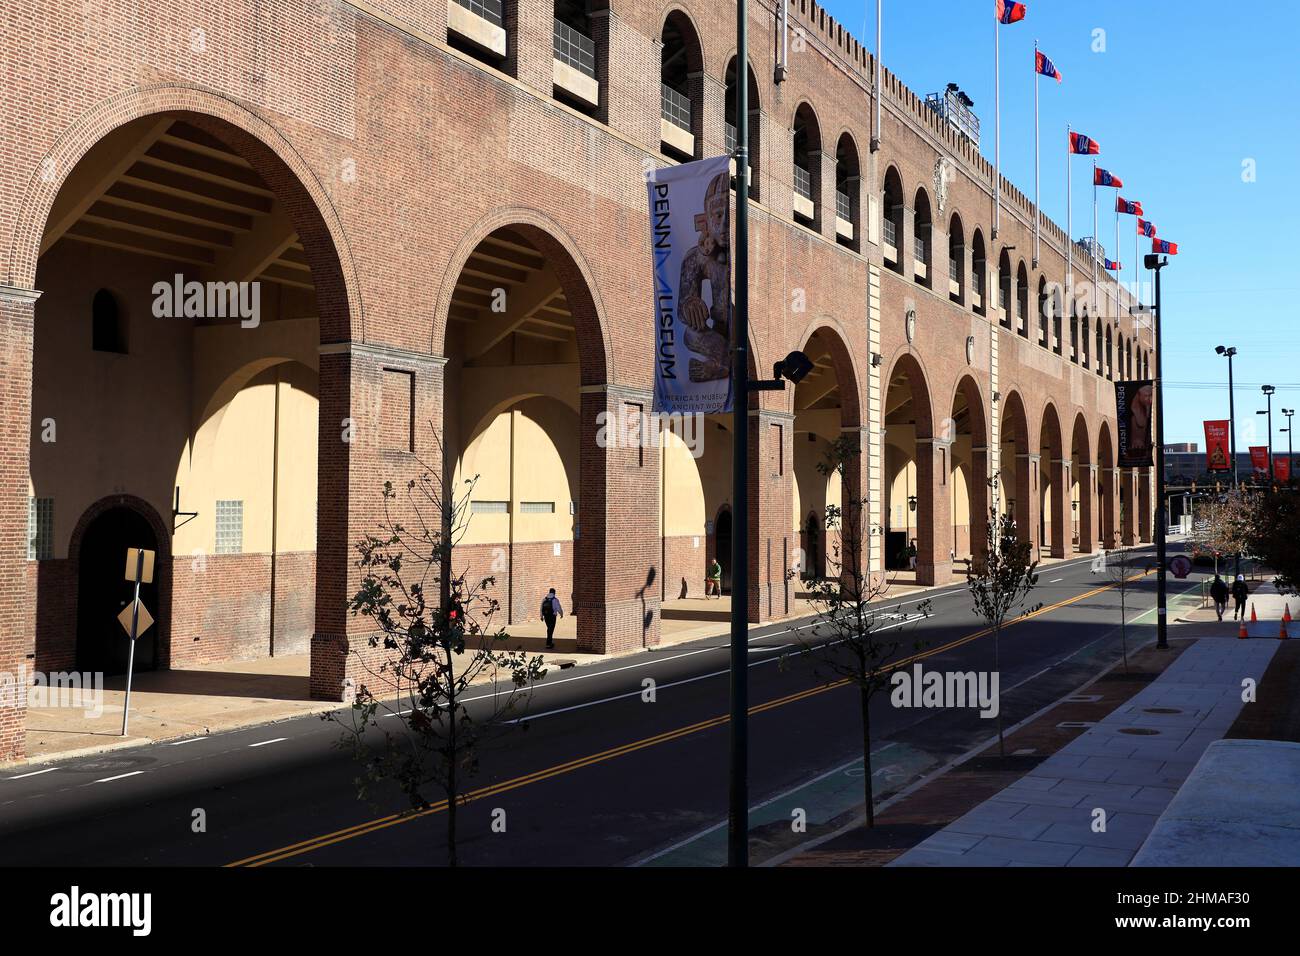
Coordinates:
column 1219, row 594
column 551, row 612
column 1239, row 594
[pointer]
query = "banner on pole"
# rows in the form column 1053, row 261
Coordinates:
column 690, row 232
column 1259, row 461
column 1133, row 404
column 1282, row 468
column 1217, row 455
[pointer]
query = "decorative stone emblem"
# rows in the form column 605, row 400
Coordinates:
column 970, row 350
column 909, row 324
column 943, row 175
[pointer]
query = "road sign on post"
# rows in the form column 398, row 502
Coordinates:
column 135, row 617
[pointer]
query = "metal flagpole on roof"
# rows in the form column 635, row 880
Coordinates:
column 1069, row 219
column 997, row 126
column 1094, row 237
column 1037, row 150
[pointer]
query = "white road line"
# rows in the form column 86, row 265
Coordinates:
column 187, row 740
column 263, row 743
column 120, row 776
column 34, row 773
column 1056, row 580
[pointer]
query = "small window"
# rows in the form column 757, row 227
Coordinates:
column 537, row 507
column 40, row 529
column 108, row 326
column 489, row 507
column 230, row 527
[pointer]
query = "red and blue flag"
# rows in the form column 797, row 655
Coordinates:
column 1165, row 246
column 1147, row 228
column 1083, row 146
column 1103, row 177
column 1131, row 208
column 1045, row 66
column 1010, row 12
column 1113, row 266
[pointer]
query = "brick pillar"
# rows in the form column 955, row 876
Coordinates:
column 823, row 166
column 933, row 511
column 1087, row 482
column 980, row 502
column 1128, row 513
column 628, row 68
column 1109, row 507
column 907, row 243
column 1059, row 475
column 771, row 502
column 530, row 41
column 856, row 489
column 1144, row 506
column 708, row 114
column 620, row 553
column 375, row 402
column 17, row 313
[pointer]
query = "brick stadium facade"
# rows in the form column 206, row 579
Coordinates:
column 420, row 151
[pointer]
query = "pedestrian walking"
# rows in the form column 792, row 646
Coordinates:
column 1239, row 594
column 552, row 611
column 1219, row 594
column 911, row 555
column 713, row 580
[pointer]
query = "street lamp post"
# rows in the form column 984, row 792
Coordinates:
column 1290, row 462
column 1155, row 264
column 1268, row 391
column 1229, row 352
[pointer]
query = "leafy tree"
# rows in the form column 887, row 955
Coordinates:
column 853, row 639
column 1274, row 537
column 1000, row 584
column 434, row 636
column 1223, row 525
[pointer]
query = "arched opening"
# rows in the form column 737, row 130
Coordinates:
column 923, row 245
column 1053, row 483
column 102, row 644
column 1106, row 478
column 1045, row 312
column 681, row 91
column 1110, row 355
column 755, row 125
column 909, row 502
column 979, row 273
column 826, row 409
column 1005, row 290
column 807, row 160
column 1100, row 347
column 956, row 261
column 722, row 545
column 848, row 194
column 968, row 470
column 1017, row 481
column 1081, row 487
column 231, row 290
column 1022, row 301
column 1074, row 331
column 893, row 220
column 812, row 544
column 579, row 61
column 522, row 337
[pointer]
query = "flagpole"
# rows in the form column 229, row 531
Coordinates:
column 1118, row 277
column 1094, row 236
column 1037, row 163
column 997, row 126
column 1069, row 219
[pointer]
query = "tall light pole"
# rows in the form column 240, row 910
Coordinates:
column 1268, row 391
column 738, row 810
column 1155, row 264
column 1290, row 462
column 1229, row 352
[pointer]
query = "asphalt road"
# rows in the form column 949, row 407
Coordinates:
column 596, row 775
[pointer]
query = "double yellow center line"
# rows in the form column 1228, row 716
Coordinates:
column 371, row 826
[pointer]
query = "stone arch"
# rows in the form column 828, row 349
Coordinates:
column 1054, row 484
column 967, row 438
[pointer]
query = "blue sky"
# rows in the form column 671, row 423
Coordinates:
column 1182, row 95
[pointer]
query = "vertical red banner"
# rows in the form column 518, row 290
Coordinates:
column 1217, row 454
column 1282, row 468
column 1259, row 461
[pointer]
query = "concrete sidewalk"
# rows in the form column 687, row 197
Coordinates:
column 1123, row 772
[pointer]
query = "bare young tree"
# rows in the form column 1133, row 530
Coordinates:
column 854, row 639
column 434, row 637
column 1120, row 564
column 1000, row 584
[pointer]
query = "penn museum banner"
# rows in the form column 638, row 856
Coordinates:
column 1133, row 405
column 690, row 230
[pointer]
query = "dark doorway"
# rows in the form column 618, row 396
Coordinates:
column 722, row 546
column 814, row 568
column 103, row 591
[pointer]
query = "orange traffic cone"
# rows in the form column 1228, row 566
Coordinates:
column 1286, row 612
column 1241, row 632
column 1282, row 635
column 1253, row 618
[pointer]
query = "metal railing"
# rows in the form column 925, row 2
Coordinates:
column 574, row 49
column 675, row 107
column 844, row 206
column 803, row 183
column 489, row 10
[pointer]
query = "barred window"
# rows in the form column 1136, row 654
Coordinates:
column 537, row 507
column 489, row 507
column 230, row 527
column 40, row 529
